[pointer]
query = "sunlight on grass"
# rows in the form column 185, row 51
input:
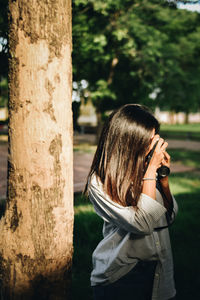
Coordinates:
column 86, row 148
column 184, row 183
column 181, row 131
column 181, row 127
column 185, row 157
column 3, row 138
column 185, row 236
column 83, row 209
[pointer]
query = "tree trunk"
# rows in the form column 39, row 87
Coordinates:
column 172, row 117
column 186, row 121
column 37, row 227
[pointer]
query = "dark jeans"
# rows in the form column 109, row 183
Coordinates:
column 136, row 285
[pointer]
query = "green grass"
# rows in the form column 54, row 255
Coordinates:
column 185, row 238
column 86, row 148
column 87, row 234
column 188, row 158
column 181, row 131
column 182, row 127
column 3, row 139
column 185, row 235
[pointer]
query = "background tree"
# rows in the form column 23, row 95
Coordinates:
column 3, row 53
column 127, row 50
column 36, row 229
column 180, row 87
column 3, row 38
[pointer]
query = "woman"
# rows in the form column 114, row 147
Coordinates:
column 134, row 260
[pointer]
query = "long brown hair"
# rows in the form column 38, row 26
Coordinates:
column 119, row 160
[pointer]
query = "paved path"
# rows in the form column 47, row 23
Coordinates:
column 82, row 161
column 183, row 144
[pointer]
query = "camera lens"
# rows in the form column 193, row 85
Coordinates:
column 163, row 171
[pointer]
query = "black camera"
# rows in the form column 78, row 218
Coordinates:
column 163, row 171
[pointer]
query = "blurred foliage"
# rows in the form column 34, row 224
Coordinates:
column 76, row 113
column 3, row 92
column 3, row 38
column 128, row 50
column 142, row 51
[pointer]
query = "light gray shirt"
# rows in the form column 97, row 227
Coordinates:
column 129, row 236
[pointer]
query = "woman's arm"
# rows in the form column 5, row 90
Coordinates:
column 160, row 157
column 149, row 180
column 149, row 183
column 140, row 221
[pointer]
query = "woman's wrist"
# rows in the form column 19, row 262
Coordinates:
column 165, row 182
column 149, row 188
column 149, row 178
column 151, row 172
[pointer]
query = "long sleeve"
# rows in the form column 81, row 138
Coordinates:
column 141, row 221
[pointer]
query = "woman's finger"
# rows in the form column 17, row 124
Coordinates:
column 160, row 143
column 166, row 160
column 167, row 156
column 155, row 140
column 156, row 137
column 164, row 146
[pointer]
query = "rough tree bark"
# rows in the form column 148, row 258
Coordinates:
column 37, row 227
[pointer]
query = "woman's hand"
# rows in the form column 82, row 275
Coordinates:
column 166, row 160
column 159, row 157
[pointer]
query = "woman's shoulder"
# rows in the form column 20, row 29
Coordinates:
column 96, row 190
column 95, row 180
column 94, row 183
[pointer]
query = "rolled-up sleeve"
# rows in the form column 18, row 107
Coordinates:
column 140, row 221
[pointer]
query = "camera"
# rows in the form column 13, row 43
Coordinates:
column 163, row 171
